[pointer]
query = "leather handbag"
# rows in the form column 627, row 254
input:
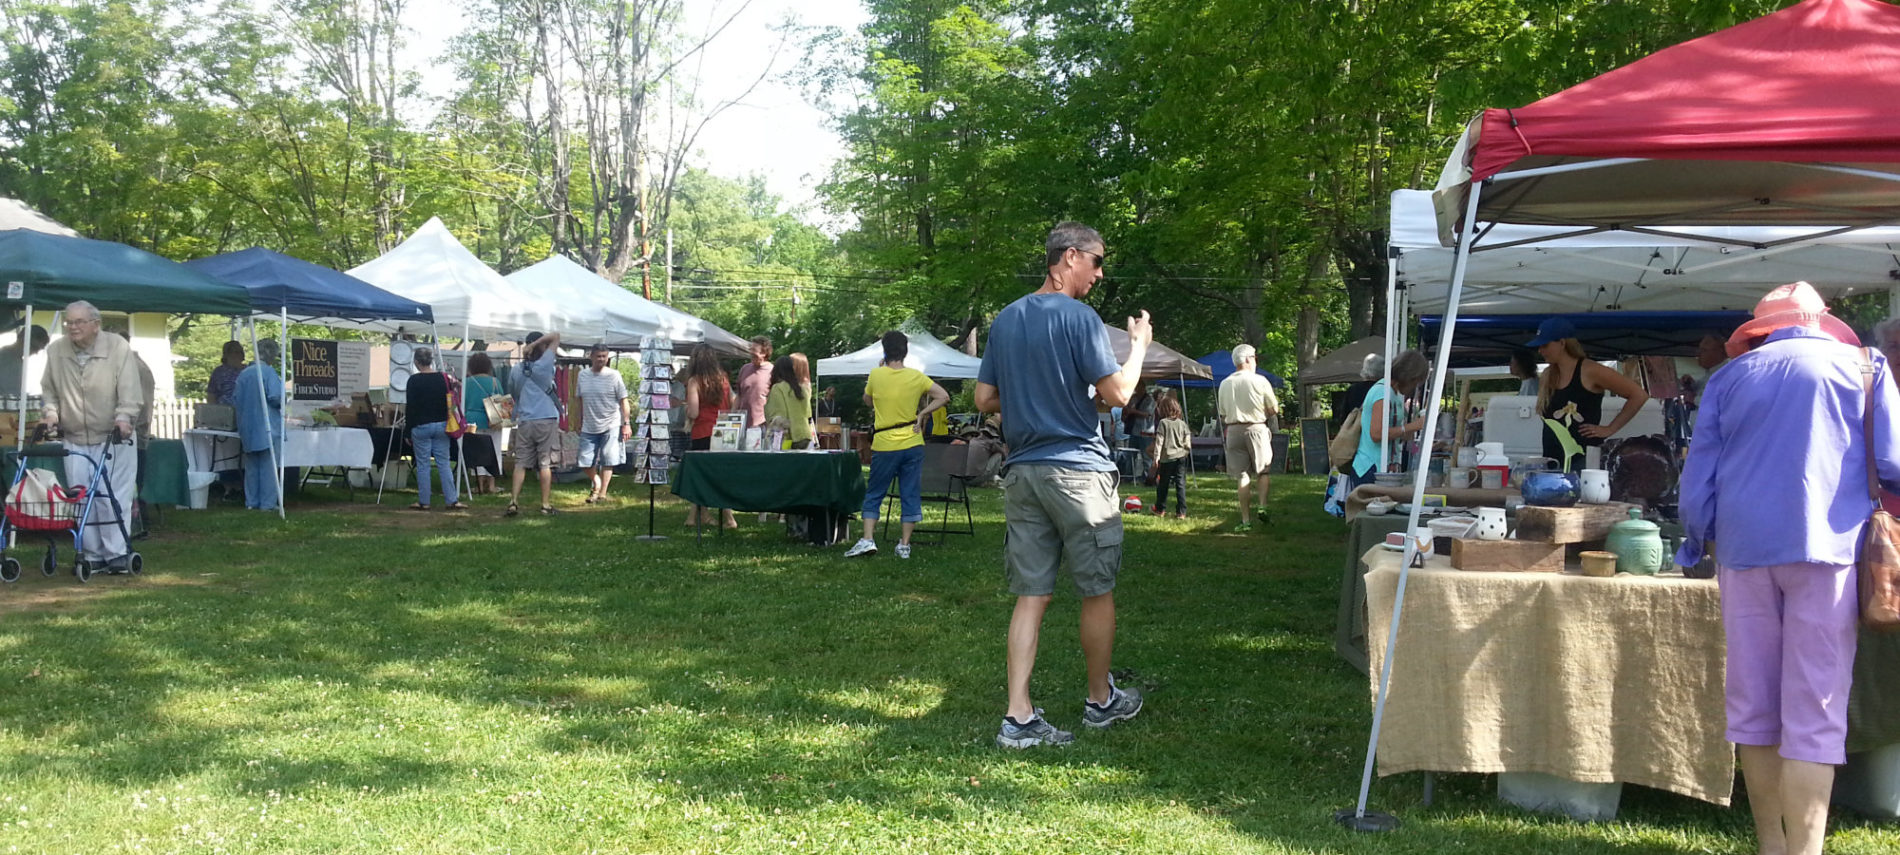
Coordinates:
column 1879, row 560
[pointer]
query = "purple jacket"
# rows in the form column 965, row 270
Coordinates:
column 1777, row 470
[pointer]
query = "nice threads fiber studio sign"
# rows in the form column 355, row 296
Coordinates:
column 313, row 369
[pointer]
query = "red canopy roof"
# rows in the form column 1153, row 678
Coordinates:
column 1818, row 82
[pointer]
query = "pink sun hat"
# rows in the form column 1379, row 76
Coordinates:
column 1796, row 304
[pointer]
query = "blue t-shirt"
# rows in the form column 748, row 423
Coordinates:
column 1045, row 351
column 536, row 400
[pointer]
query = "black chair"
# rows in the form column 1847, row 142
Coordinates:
column 939, row 486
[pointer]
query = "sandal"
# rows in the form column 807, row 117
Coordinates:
column 514, row 509
column 418, row 507
column 458, row 506
column 549, row 510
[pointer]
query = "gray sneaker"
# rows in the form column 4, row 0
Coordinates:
column 1122, row 704
column 861, row 548
column 1036, row 732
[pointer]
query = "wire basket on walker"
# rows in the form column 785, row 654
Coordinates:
column 36, row 503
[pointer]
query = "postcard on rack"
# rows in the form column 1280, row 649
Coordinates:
column 660, row 372
column 659, row 461
column 661, row 432
column 656, row 476
column 659, row 402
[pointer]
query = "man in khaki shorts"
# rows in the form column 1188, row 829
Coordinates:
column 537, row 437
column 1247, row 403
column 1059, row 487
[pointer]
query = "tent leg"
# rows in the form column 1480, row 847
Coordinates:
column 1358, row 818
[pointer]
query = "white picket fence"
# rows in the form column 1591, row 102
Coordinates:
column 171, row 417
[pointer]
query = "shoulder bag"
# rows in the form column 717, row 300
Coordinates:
column 1879, row 561
column 1345, row 444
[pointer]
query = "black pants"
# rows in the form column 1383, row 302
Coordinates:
column 1170, row 474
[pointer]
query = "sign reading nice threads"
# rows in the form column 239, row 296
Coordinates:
column 313, row 369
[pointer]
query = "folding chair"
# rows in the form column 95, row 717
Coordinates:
column 939, row 486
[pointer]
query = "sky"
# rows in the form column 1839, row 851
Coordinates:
column 772, row 132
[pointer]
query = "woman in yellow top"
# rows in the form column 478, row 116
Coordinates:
column 789, row 400
column 901, row 400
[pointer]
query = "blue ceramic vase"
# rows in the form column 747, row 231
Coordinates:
column 1550, row 489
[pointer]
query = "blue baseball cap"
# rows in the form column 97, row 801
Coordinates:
column 1552, row 329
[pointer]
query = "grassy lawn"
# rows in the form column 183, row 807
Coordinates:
column 374, row 680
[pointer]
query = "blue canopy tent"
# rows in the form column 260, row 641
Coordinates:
column 1221, row 363
column 293, row 288
column 1489, row 339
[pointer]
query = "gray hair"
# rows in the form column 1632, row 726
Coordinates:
column 1068, row 233
column 1373, row 368
column 267, row 351
column 424, row 357
column 92, row 311
column 1409, row 370
column 1884, row 329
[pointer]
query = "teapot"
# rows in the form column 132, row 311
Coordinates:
column 1638, row 545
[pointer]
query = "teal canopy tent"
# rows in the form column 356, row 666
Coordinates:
column 49, row 270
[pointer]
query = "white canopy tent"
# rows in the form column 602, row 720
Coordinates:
column 468, row 297
column 15, row 214
column 617, row 316
column 928, row 354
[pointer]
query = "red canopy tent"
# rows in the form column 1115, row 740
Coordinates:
column 1791, row 119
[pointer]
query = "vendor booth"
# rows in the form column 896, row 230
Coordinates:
column 322, row 374
column 1812, row 152
column 622, row 317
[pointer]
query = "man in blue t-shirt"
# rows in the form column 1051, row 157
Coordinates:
column 537, row 436
column 1059, row 490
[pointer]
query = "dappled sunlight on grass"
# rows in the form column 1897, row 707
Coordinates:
column 896, row 699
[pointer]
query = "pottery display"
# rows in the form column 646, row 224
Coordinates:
column 1593, row 486
column 1597, row 562
column 1490, row 525
column 1549, row 489
column 1638, row 545
column 1458, row 476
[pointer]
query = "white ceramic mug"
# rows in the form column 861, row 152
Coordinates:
column 1488, row 451
column 1467, row 457
column 1492, row 479
column 1458, row 476
column 1490, row 524
column 1594, row 486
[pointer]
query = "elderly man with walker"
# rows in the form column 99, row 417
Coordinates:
column 92, row 397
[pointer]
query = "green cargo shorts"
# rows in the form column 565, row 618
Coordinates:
column 1057, row 516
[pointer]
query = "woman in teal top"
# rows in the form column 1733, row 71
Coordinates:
column 1408, row 373
column 478, row 448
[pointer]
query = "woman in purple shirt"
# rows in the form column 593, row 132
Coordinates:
column 1776, row 479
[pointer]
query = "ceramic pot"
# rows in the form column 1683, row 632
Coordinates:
column 1446, row 528
column 1593, row 486
column 1597, row 563
column 1550, row 489
column 1488, row 452
column 1458, row 476
column 1493, row 477
column 1638, row 545
column 1490, row 525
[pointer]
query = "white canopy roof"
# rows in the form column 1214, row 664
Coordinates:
column 467, row 296
column 613, row 314
column 1520, row 269
column 937, row 360
column 15, row 214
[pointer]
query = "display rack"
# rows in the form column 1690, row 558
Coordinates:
column 651, row 450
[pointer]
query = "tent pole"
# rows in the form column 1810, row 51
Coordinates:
column 26, row 353
column 283, row 412
column 1391, row 312
column 1459, row 264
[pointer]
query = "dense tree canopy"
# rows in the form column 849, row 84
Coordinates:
column 1237, row 154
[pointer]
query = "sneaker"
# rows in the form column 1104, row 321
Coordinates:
column 903, row 550
column 1036, row 732
column 862, row 547
column 1122, row 704
column 1243, row 528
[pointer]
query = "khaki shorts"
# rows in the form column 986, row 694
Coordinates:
column 537, row 444
column 1056, row 517
column 1249, row 450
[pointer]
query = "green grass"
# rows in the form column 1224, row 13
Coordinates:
column 378, row 681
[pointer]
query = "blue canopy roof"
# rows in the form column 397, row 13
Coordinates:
column 1489, row 339
column 279, row 282
column 1221, row 362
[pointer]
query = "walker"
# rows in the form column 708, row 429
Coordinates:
column 61, row 510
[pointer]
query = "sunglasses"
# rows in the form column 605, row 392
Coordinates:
column 1099, row 257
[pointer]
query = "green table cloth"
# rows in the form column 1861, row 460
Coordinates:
column 1349, row 630
column 788, row 482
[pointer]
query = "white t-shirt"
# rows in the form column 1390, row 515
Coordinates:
column 1246, row 398
column 601, row 392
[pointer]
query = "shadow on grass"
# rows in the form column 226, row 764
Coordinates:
column 748, row 671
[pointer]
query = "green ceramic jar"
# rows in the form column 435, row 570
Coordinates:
column 1638, row 545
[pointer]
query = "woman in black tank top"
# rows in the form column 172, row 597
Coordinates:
column 1571, row 391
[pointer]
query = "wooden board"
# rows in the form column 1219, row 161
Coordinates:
column 1570, row 525
column 1530, row 556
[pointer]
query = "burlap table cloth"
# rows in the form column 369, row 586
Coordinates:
column 1595, row 680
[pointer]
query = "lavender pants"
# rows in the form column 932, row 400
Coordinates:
column 1791, row 634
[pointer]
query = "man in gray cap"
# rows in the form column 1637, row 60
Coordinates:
column 1247, row 403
